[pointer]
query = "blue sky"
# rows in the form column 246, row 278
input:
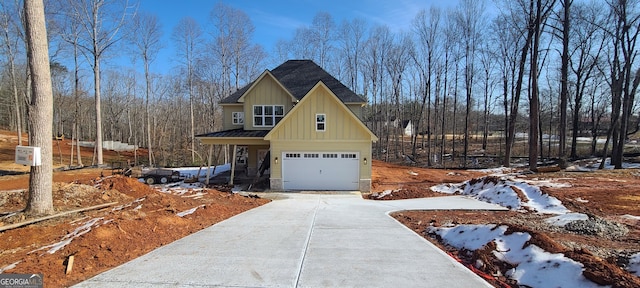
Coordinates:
column 278, row 19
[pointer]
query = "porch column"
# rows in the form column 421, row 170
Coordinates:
column 209, row 164
column 233, row 164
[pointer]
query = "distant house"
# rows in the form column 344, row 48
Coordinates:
column 407, row 128
column 305, row 123
column 379, row 119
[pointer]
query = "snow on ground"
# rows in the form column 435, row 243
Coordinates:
column 79, row 231
column 634, row 264
column 630, row 217
column 564, row 219
column 502, row 191
column 534, row 266
column 193, row 171
column 590, row 165
column 380, row 195
column 187, row 212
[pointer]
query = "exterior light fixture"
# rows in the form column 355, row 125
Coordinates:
column 365, row 160
column 276, row 160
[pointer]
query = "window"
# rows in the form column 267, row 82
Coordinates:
column 267, row 115
column 238, row 118
column 320, row 122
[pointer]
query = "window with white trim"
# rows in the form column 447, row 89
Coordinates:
column 237, row 118
column 267, row 115
column 321, row 122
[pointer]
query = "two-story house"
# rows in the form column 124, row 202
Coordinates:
column 306, row 122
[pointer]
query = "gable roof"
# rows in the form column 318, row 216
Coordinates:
column 299, row 77
column 302, row 103
column 264, row 74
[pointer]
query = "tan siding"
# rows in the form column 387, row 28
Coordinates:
column 363, row 147
column 266, row 92
column 227, row 121
column 339, row 125
column 356, row 109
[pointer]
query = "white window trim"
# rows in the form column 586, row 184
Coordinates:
column 237, row 118
column 253, row 118
column 324, row 122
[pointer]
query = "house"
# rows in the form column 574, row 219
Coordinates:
column 305, row 123
column 407, row 128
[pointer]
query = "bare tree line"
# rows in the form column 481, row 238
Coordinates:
column 473, row 80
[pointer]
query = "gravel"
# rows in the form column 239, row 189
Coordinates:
column 598, row 227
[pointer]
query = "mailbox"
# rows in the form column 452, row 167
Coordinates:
column 28, row 155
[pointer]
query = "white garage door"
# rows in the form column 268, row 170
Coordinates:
column 320, row 170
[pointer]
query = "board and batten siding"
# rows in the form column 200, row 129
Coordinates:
column 227, row 111
column 265, row 92
column 343, row 133
column 301, row 125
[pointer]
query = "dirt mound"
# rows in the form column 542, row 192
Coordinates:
column 126, row 185
column 143, row 219
column 602, row 271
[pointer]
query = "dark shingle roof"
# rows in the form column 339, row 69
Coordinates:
column 237, row 133
column 299, row 76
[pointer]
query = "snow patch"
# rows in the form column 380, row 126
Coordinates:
column 79, row 231
column 534, row 266
column 634, row 264
column 10, row 266
column 504, row 191
column 627, row 216
column 380, row 195
column 187, row 212
column 562, row 220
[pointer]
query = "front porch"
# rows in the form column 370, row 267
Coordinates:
column 249, row 154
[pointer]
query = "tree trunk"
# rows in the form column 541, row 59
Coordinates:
column 41, row 111
column 147, row 78
column 96, row 82
column 564, row 82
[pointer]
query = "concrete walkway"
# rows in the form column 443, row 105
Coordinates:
column 304, row 240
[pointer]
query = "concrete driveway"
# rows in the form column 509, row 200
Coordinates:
column 304, row 240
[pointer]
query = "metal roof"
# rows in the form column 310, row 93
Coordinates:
column 236, row 133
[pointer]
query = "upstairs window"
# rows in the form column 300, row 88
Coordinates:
column 320, row 122
column 267, row 115
column 237, row 118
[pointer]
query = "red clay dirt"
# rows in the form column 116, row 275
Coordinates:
column 608, row 194
column 143, row 219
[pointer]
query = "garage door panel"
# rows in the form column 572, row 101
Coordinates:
column 320, row 170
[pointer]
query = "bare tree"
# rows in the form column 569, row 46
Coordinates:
column 469, row 17
column 585, row 50
column 352, row 37
column 376, row 49
column 146, row 38
column 9, row 26
column 624, row 31
column 564, row 80
column 539, row 13
column 187, row 35
column 426, row 26
column 232, row 34
column 322, row 30
column 100, row 22
column 41, row 111
column 396, row 64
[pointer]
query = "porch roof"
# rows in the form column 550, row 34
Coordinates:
column 235, row 137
